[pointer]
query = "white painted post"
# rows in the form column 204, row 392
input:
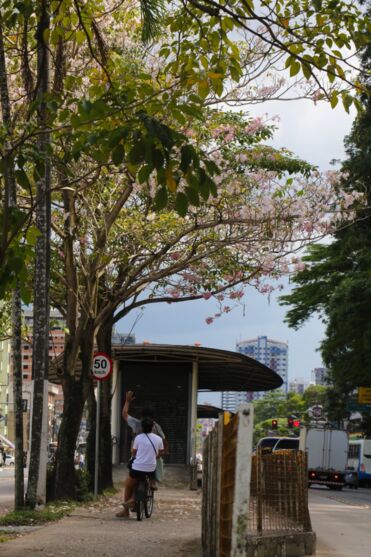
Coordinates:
column 242, row 479
column 43, row 462
column 116, row 412
column 97, row 422
column 194, row 389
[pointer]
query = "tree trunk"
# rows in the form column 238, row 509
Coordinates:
column 74, row 400
column 90, row 444
column 75, row 393
column 40, row 355
column 10, row 200
column 17, row 396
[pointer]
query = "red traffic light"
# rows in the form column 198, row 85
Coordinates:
column 293, row 422
column 274, row 424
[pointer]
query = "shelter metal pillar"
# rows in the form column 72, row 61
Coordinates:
column 193, row 428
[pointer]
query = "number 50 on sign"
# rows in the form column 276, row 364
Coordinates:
column 102, row 366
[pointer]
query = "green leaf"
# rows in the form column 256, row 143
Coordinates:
column 306, row 70
column 32, row 234
column 118, row 154
column 212, row 168
column 161, row 198
column 80, row 37
column 186, row 157
column 334, row 99
column 144, row 173
column 22, row 179
column 294, row 68
column 157, row 158
column 192, row 195
column 347, row 102
column 191, row 110
column 26, row 294
column 203, row 184
column 136, row 154
column 179, row 117
column 181, row 204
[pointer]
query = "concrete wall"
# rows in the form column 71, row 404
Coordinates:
column 288, row 545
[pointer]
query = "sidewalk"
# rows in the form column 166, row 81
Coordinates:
column 174, row 530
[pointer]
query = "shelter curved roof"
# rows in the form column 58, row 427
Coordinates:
column 219, row 370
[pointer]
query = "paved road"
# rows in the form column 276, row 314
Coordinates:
column 6, row 485
column 342, row 522
column 7, row 488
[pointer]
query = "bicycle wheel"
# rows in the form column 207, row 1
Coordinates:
column 140, row 510
column 148, row 503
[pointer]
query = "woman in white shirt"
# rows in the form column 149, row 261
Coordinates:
column 147, row 447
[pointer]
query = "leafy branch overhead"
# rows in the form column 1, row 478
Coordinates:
column 334, row 281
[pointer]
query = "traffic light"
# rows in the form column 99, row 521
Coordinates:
column 274, row 424
column 293, row 421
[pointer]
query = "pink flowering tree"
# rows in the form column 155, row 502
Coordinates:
column 112, row 255
column 130, row 154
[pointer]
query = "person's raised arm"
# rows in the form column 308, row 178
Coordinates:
column 129, row 396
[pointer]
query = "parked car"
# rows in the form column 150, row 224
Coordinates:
column 272, row 444
column 9, row 460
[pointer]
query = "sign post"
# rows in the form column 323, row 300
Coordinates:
column 101, row 371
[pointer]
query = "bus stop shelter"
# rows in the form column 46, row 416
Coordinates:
column 168, row 378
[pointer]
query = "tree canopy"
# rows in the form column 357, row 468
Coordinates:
column 210, row 53
column 154, row 191
column 335, row 282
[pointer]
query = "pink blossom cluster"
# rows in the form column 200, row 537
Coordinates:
column 254, row 126
column 226, row 131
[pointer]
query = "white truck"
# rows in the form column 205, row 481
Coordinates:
column 327, row 451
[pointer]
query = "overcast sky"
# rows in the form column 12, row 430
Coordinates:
column 316, row 134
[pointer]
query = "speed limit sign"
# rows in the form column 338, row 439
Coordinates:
column 102, row 366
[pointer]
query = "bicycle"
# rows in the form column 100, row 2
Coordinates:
column 143, row 498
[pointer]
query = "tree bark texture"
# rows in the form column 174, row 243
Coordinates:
column 10, row 200
column 75, row 393
column 17, row 397
column 40, row 356
column 74, row 400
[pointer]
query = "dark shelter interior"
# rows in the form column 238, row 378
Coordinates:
column 164, row 388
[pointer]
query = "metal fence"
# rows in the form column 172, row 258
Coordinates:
column 248, row 496
column 278, row 493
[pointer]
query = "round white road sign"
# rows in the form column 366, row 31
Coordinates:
column 102, row 366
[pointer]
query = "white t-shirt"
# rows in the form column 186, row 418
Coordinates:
column 136, row 426
column 145, row 459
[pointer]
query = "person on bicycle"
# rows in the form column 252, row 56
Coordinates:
column 147, row 447
column 135, row 423
column 136, row 427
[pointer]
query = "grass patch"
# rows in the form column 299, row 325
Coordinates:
column 110, row 491
column 5, row 537
column 26, row 517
